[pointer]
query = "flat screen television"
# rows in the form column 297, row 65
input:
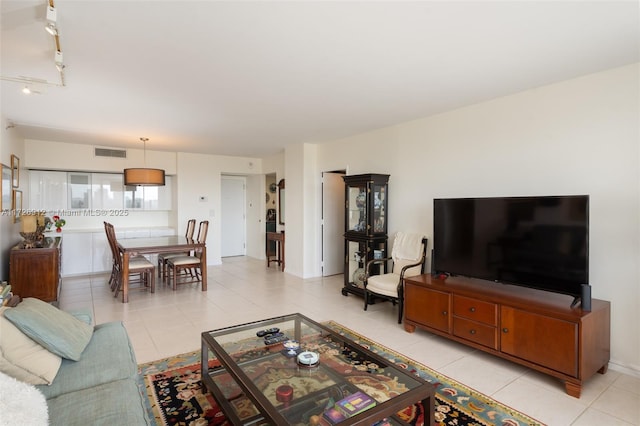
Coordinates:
column 538, row 242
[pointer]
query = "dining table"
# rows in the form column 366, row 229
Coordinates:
column 130, row 247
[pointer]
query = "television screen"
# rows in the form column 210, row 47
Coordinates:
column 539, row 242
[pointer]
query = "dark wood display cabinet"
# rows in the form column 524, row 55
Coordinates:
column 534, row 328
column 365, row 237
column 35, row 272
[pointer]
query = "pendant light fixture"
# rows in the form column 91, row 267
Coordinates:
column 144, row 176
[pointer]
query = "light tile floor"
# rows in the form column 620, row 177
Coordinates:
column 242, row 289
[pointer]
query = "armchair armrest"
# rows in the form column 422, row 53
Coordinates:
column 404, row 268
column 372, row 262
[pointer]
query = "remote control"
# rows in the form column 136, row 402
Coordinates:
column 263, row 333
column 272, row 335
column 274, row 340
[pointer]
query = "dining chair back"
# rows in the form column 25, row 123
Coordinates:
column 138, row 265
column 163, row 257
column 192, row 263
column 113, row 279
column 191, row 228
column 203, row 229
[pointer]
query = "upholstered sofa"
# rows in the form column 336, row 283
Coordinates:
column 88, row 375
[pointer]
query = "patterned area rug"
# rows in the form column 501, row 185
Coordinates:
column 175, row 395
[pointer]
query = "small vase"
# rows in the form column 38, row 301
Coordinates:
column 58, row 229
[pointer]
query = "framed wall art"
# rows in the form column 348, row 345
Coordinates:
column 5, row 202
column 15, row 171
column 17, row 205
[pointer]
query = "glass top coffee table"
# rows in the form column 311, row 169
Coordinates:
column 326, row 379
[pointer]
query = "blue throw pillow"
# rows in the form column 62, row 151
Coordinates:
column 56, row 330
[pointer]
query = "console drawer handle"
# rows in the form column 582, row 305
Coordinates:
column 472, row 331
column 472, row 309
column 505, row 330
column 444, row 312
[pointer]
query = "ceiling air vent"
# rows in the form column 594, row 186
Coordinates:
column 108, row 152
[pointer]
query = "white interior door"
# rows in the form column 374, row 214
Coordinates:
column 233, row 216
column 332, row 223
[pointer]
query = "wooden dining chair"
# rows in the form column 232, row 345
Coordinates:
column 163, row 257
column 138, row 265
column 192, row 262
column 113, row 279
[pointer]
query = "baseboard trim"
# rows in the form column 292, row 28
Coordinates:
column 631, row 371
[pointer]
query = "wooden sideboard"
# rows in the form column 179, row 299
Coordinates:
column 35, row 272
column 533, row 328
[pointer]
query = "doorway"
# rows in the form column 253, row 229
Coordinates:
column 233, row 216
column 332, row 223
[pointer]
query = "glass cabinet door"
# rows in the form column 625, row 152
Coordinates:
column 366, row 205
column 356, row 261
column 148, row 197
column 379, row 208
column 107, row 191
column 79, row 186
column 47, row 190
column 357, row 208
column 133, row 197
column 357, row 254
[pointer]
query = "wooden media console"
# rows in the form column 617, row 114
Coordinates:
column 534, row 328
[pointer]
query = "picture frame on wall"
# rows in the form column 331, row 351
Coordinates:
column 15, row 171
column 17, row 205
column 5, row 186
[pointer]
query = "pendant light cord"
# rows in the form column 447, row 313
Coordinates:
column 144, row 152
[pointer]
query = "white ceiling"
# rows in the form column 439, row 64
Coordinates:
column 249, row 78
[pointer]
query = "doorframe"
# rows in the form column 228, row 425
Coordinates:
column 322, row 219
column 242, row 178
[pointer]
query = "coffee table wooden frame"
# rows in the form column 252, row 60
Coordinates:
column 424, row 394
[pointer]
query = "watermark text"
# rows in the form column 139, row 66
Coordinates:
column 67, row 213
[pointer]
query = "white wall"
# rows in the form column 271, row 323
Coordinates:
column 199, row 176
column 9, row 231
column 50, row 155
column 294, row 212
column 577, row 137
column 256, row 214
column 302, row 211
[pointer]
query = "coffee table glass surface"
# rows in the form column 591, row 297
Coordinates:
column 335, row 380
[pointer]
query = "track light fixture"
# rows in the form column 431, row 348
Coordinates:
column 51, row 29
column 52, row 14
column 58, row 60
column 52, row 18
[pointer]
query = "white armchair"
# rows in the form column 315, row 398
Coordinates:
column 408, row 258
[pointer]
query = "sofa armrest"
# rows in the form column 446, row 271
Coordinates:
column 83, row 315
